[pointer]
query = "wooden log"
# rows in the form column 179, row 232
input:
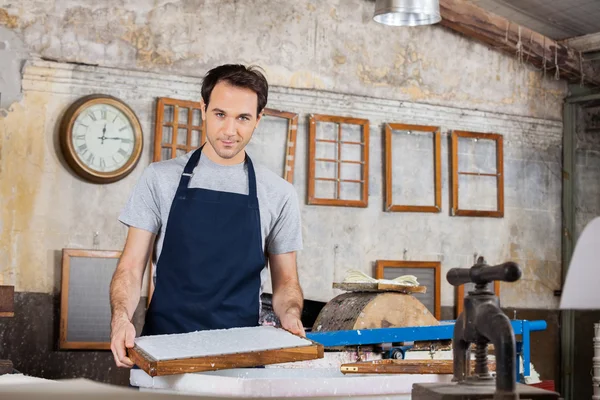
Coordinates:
column 366, row 310
column 392, row 366
column 474, row 22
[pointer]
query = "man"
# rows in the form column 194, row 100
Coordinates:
column 215, row 215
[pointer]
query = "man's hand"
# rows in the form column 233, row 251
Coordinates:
column 292, row 323
column 122, row 335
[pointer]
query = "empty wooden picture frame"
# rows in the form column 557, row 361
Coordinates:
column 179, row 128
column 436, row 165
column 276, row 129
column 461, row 293
column 85, row 313
column 478, row 168
column 428, row 274
column 338, row 152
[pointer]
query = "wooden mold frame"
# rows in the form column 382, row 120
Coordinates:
column 290, row 148
column 437, row 174
column 155, row 367
column 499, row 175
column 381, row 265
column 460, row 296
column 64, row 297
column 175, row 125
column 313, row 141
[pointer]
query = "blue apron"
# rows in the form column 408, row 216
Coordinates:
column 208, row 272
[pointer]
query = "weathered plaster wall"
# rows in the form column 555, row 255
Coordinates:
column 45, row 207
column 328, row 45
column 320, row 57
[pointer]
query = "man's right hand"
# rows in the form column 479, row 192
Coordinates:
column 122, row 335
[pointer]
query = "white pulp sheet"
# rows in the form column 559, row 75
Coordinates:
column 218, row 342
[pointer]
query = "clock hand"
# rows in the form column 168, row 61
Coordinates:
column 103, row 134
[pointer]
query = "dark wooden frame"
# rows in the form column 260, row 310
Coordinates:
column 499, row 212
column 64, row 296
column 175, row 125
column 460, row 296
column 435, row 265
column 437, row 168
column 155, row 367
column 312, row 139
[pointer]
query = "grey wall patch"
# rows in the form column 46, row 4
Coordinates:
column 12, row 57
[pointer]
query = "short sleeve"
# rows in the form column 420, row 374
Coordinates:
column 286, row 234
column 142, row 210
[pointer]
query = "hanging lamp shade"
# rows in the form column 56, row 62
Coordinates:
column 407, row 12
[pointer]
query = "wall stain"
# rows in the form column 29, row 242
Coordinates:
column 10, row 21
column 305, row 79
column 23, row 148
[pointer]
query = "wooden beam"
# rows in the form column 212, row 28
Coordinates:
column 585, row 43
column 393, row 366
column 473, row 21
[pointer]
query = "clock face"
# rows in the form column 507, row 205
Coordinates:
column 103, row 138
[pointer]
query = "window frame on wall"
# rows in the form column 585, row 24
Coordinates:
column 312, row 149
column 437, row 168
column 381, row 265
column 454, row 198
column 175, row 125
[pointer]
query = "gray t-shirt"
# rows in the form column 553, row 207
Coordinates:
column 150, row 202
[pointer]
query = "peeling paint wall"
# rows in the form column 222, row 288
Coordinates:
column 12, row 58
column 320, row 57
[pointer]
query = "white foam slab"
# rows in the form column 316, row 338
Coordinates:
column 310, row 383
column 218, row 342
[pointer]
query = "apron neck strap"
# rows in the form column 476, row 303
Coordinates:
column 188, row 171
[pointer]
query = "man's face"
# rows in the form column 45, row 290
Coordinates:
column 230, row 119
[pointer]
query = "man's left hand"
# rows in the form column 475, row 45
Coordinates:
column 292, row 323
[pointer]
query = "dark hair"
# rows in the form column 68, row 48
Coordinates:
column 240, row 76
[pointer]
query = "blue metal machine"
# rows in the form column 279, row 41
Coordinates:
column 444, row 331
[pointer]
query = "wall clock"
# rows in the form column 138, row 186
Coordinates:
column 101, row 138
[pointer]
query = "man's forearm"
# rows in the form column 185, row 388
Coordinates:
column 124, row 293
column 288, row 299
